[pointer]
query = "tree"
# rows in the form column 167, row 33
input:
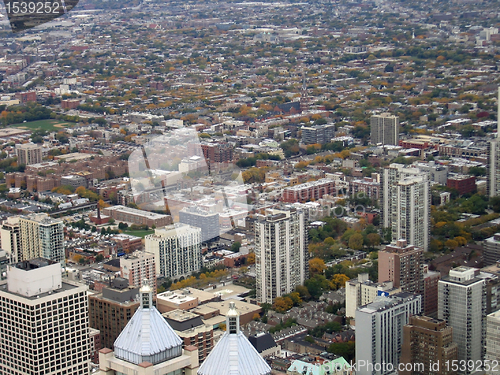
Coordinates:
column 344, row 349
column 99, row 258
column 111, row 221
column 495, row 204
column 339, row 280
column 251, row 258
column 477, row 171
column 235, row 247
column 373, row 239
column 317, row 266
column 303, row 292
column 295, row 297
column 100, row 203
column 282, row 304
column 256, row 317
column 317, row 285
column 451, row 244
column 356, row 241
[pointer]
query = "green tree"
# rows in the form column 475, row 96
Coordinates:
column 235, row 247
column 356, row 241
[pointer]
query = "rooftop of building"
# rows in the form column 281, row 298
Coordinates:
column 65, row 285
column 325, row 367
column 234, row 354
column 262, row 341
column 181, row 320
column 41, row 218
column 134, row 211
column 33, row 264
column 243, row 307
column 310, row 184
column 147, row 336
column 385, row 303
column 175, row 297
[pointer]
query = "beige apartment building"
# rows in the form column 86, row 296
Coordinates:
column 44, row 327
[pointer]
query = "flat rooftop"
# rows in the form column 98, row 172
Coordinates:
column 180, row 315
column 229, row 291
column 175, row 297
column 242, row 307
column 65, row 285
column 134, row 211
column 33, row 264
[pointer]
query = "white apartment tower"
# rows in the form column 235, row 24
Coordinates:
column 42, row 236
column 384, row 129
column 361, row 291
column 281, row 253
column 493, row 342
column 462, row 303
column 10, row 238
column 44, row 326
column 406, row 204
column 29, row 153
column 176, row 249
column 493, row 186
column 379, row 332
column 139, row 266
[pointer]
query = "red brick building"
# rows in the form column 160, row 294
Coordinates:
column 463, row 184
column 430, row 297
column 27, row 96
column 217, row 152
column 309, row 191
column 70, row 103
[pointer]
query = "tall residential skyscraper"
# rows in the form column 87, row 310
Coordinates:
column 462, row 303
column 138, row 266
column 42, row 236
column 318, row 134
column 10, row 236
column 402, row 264
column 491, row 250
column 406, row 204
column 430, row 297
column 379, row 332
column 44, row 321
column 29, row 153
column 493, row 185
column 281, row 253
column 384, row 129
column 493, row 342
column 428, row 347
column 177, row 250
column 207, row 221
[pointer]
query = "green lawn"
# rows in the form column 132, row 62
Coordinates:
column 139, row 233
column 48, row 125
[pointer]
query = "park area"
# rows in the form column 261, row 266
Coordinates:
column 48, row 125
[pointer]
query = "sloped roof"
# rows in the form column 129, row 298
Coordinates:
column 147, row 338
column 262, row 342
column 234, row 355
column 339, row 364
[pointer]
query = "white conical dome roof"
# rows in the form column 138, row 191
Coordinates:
column 234, row 354
column 147, row 337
